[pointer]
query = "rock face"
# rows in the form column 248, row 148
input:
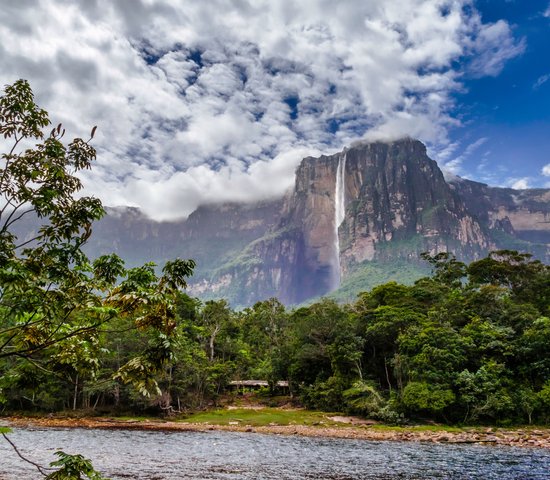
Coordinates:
column 211, row 235
column 523, row 216
column 396, row 193
column 393, row 196
column 374, row 203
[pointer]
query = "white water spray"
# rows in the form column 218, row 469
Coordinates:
column 339, row 213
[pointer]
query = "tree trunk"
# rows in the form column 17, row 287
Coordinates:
column 75, row 392
column 212, row 340
column 387, row 373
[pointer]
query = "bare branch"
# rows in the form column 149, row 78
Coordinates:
column 40, row 468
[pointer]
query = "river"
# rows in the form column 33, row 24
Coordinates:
column 155, row 455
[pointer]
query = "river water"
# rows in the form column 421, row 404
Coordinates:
column 154, row 455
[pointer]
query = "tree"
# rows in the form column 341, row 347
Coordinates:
column 325, row 354
column 485, row 392
column 446, row 268
column 54, row 302
column 265, row 330
column 435, row 352
column 383, row 326
column 425, row 397
column 527, row 279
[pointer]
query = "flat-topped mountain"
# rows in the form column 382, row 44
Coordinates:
column 353, row 219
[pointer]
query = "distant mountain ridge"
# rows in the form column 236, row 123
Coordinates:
column 355, row 217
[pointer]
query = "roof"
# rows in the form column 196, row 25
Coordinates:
column 257, row 383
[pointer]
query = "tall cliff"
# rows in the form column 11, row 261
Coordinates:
column 353, row 218
column 212, row 235
column 517, row 219
column 394, row 202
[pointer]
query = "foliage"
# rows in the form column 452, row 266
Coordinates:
column 455, row 347
column 73, row 467
column 364, row 398
column 420, row 350
column 469, row 343
column 54, row 302
column 57, row 306
column 422, row 396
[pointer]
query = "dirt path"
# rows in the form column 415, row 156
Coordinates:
column 523, row 437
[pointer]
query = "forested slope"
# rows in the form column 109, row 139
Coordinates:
column 466, row 344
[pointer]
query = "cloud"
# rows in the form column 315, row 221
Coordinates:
column 475, row 145
column 493, row 47
column 546, row 13
column 454, row 165
column 546, row 170
column 201, row 185
column 541, row 81
column 219, row 100
column 520, row 183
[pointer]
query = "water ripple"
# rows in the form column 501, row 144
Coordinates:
column 153, row 455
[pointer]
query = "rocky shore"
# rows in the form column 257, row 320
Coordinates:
column 517, row 437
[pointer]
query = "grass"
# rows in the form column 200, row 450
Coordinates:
column 261, row 417
column 276, row 416
column 370, row 274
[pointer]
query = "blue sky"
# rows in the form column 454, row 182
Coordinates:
column 202, row 101
column 511, row 110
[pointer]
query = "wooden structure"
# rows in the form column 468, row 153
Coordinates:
column 252, row 385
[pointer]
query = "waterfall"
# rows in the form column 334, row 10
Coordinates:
column 339, row 213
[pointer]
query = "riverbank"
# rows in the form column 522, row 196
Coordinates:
column 334, row 427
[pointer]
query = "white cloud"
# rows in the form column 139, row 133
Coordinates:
column 475, row 145
column 493, row 47
column 546, row 13
column 219, row 100
column 454, row 166
column 541, row 81
column 546, row 170
column 520, row 183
